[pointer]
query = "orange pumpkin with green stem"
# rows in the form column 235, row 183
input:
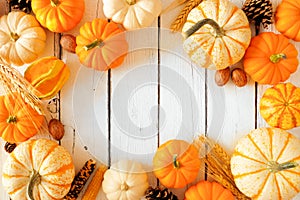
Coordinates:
column 176, row 163
column 270, row 58
column 101, row 45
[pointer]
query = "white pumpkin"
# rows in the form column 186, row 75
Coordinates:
column 132, row 14
column 22, row 38
column 125, row 180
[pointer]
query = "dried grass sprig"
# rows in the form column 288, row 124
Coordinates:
column 217, row 164
column 181, row 18
column 13, row 81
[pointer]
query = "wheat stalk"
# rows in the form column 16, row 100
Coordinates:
column 181, row 18
column 13, row 81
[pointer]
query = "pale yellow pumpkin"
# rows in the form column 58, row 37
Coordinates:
column 125, row 180
column 22, row 39
column 132, row 14
column 265, row 164
column 38, row 169
column 217, row 33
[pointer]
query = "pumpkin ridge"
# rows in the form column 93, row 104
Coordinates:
column 257, row 147
column 49, row 151
column 238, row 176
column 227, row 50
column 234, row 10
column 279, row 92
column 16, row 189
column 284, row 147
column 262, row 187
column 217, row 11
column 277, row 186
column 19, row 162
column 292, row 90
column 294, row 119
column 288, row 181
column 237, row 41
column 202, row 11
column 271, row 135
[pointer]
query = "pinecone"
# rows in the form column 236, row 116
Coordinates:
column 23, row 5
column 9, row 147
column 159, row 194
column 259, row 12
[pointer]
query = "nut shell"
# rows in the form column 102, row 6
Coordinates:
column 56, row 129
column 222, row 76
column 239, row 77
column 68, row 43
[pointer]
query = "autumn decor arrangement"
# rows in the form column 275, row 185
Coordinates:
column 96, row 45
column 47, row 75
column 58, row 15
column 271, row 58
column 208, row 191
column 176, row 163
column 280, row 106
column 265, row 164
column 287, row 19
column 132, row 14
column 126, row 179
column 38, row 169
column 22, row 39
column 217, row 34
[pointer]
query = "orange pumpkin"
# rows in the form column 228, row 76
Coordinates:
column 58, row 15
column 18, row 120
column 205, row 190
column 176, row 163
column 101, row 45
column 280, row 106
column 270, row 58
column 287, row 19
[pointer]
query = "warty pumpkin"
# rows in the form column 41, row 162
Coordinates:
column 47, row 75
column 101, row 45
column 133, row 14
column 58, row 15
column 217, row 33
column 176, row 163
column 22, row 39
column 18, row 120
column 280, row 106
column 205, row 190
column 265, row 164
column 270, row 58
column 125, row 180
column 38, row 169
column 287, row 19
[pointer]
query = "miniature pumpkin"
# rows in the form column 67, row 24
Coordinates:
column 287, row 19
column 22, row 38
column 217, row 33
column 38, row 169
column 125, row 180
column 132, row 14
column 176, row 163
column 47, row 75
column 101, row 45
column 265, row 164
column 58, row 15
column 270, row 58
column 280, row 106
column 18, row 120
column 205, row 190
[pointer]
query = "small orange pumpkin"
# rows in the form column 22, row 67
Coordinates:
column 287, row 19
column 280, row 106
column 270, row 58
column 58, row 15
column 176, row 163
column 18, row 120
column 101, row 45
column 205, row 190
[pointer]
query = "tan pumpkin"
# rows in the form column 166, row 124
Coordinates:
column 22, row 39
column 38, row 169
column 217, row 33
column 265, row 164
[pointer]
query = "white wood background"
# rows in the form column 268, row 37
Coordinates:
column 110, row 116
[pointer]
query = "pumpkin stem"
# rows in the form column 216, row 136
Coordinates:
column 124, row 186
column 276, row 167
column 176, row 163
column 94, row 44
column 12, row 119
column 55, row 3
column 218, row 30
column 275, row 58
column 14, row 37
column 131, row 2
column 35, row 179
